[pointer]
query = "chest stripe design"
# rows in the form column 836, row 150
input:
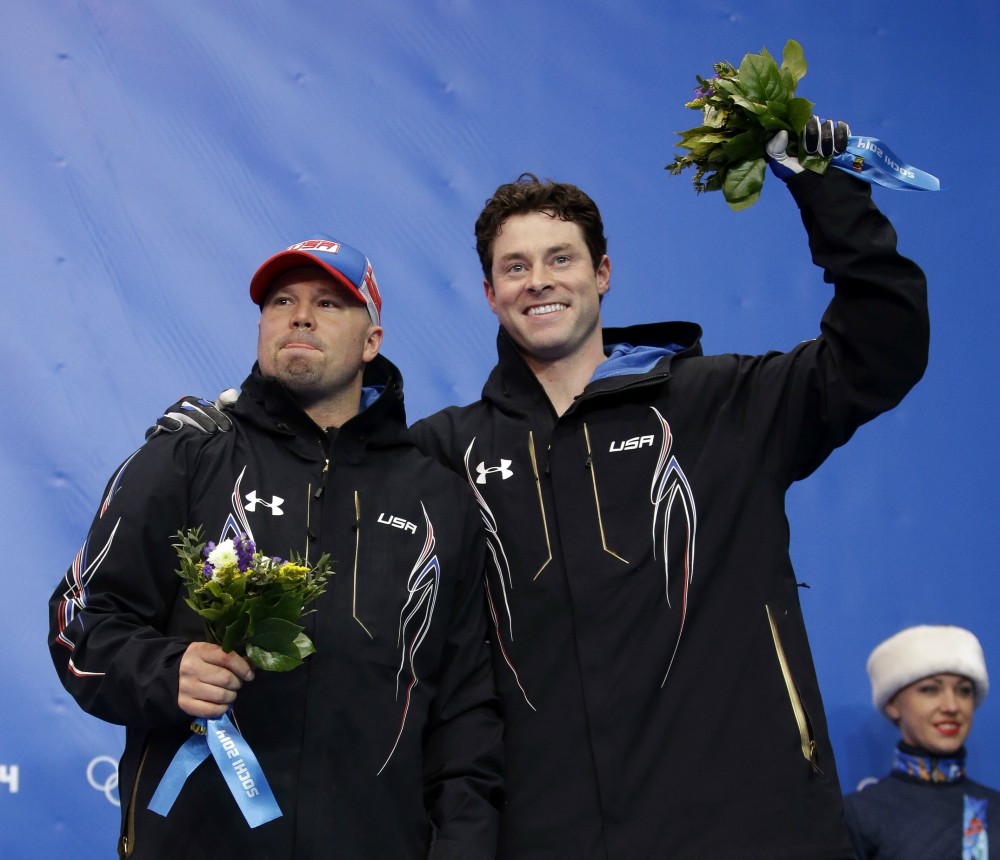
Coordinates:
column 81, row 571
column 415, row 619
column 237, row 522
column 670, row 488
column 502, row 565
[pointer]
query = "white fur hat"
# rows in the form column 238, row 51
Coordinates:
column 918, row 652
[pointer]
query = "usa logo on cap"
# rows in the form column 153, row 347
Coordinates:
column 345, row 264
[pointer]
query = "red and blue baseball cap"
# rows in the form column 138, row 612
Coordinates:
column 346, row 265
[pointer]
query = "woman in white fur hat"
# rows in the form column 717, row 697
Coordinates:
column 928, row 680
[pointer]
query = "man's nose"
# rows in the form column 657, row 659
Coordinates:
column 540, row 279
column 303, row 317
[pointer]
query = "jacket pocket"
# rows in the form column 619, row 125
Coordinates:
column 126, row 842
column 807, row 743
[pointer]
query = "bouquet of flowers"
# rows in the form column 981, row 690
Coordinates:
column 251, row 603
column 741, row 108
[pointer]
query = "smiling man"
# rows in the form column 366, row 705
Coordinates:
column 385, row 743
column 546, row 291
column 659, row 694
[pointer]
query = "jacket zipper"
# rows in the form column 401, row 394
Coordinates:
column 597, row 499
column 541, row 502
column 806, row 741
column 357, row 554
column 126, row 844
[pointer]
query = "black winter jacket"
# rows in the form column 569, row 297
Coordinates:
column 400, row 635
column 658, row 689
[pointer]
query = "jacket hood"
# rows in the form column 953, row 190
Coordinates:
column 511, row 384
column 269, row 405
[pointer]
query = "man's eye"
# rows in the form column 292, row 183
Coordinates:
column 561, row 260
column 516, row 268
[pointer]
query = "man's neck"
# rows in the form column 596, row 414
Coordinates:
column 564, row 379
column 334, row 411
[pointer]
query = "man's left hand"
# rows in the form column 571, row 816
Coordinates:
column 196, row 412
column 824, row 138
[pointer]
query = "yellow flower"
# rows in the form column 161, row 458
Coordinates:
column 290, row 570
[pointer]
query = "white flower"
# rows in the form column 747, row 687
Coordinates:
column 224, row 553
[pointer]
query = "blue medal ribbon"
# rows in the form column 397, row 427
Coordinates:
column 975, row 843
column 871, row 160
column 237, row 762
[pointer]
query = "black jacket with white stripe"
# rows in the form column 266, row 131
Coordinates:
column 384, row 740
column 659, row 694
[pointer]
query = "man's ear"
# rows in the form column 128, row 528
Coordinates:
column 373, row 342
column 604, row 275
column 491, row 295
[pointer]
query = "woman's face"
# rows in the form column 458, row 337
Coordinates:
column 935, row 712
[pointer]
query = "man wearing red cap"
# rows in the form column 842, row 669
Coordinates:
column 386, row 741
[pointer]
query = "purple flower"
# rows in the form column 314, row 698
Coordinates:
column 208, row 548
column 207, row 570
column 244, row 552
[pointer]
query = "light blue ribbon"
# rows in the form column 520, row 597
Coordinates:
column 871, row 160
column 237, row 763
column 975, row 842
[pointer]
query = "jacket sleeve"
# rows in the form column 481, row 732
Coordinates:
column 435, row 437
column 463, row 752
column 112, row 633
column 874, row 335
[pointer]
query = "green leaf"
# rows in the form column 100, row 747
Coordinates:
column 799, row 111
column 760, row 80
column 744, row 203
column 272, row 661
column 815, row 163
column 743, row 182
column 235, row 632
column 288, row 606
column 772, row 120
column 778, row 110
column 304, row 645
column 209, row 613
column 794, row 60
column 744, row 146
column 276, row 634
column 753, row 107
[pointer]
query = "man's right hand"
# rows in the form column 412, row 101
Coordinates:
column 210, row 679
column 203, row 415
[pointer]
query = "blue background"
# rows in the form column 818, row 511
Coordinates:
column 153, row 154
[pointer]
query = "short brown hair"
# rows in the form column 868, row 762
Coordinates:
column 529, row 194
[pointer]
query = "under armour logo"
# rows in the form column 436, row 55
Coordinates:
column 503, row 469
column 275, row 503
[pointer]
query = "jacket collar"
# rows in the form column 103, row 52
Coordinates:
column 271, row 407
column 512, row 386
column 918, row 765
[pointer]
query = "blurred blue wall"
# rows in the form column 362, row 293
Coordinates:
column 153, row 154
